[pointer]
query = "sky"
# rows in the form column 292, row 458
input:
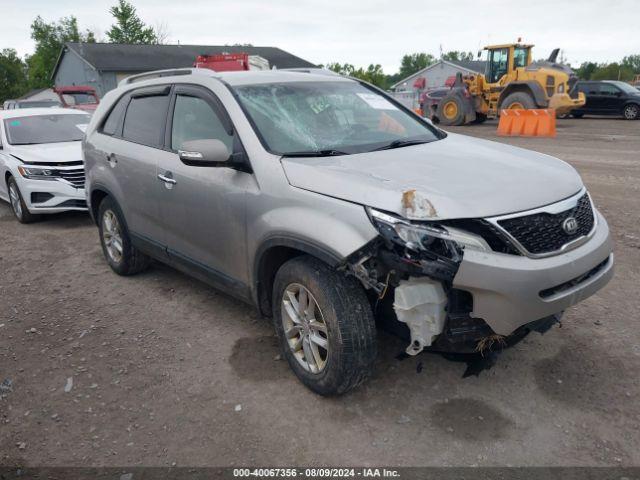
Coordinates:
column 360, row 32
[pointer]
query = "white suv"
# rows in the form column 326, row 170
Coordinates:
column 41, row 161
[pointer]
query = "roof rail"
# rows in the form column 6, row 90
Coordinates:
column 164, row 73
column 318, row 71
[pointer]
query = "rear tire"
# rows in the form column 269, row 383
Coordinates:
column 19, row 208
column 518, row 100
column 451, row 110
column 631, row 111
column 577, row 115
column 318, row 305
column 121, row 255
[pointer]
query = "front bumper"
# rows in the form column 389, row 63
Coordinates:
column 51, row 196
column 510, row 291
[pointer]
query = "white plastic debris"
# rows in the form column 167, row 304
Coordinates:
column 69, row 385
column 420, row 303
column 238, row 407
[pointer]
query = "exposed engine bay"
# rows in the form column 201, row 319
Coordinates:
column 408, row 271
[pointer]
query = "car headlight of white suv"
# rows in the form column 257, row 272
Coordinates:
column 38, row 173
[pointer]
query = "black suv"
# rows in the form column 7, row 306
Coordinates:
column 608, row 97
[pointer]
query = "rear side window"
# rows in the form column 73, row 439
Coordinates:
column 194, row 119
column 608, row 89
column 145, row 119
column 114, row 120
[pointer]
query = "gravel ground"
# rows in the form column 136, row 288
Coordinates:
column 158, row 369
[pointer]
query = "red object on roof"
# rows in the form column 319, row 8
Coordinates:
column 224, row 62
column 420, row 83
column 78, row 97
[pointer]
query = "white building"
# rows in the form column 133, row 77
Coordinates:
column 435, row 75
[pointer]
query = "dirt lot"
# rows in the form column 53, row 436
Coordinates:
column 166, row 370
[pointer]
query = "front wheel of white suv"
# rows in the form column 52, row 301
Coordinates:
column 19, row 208
column 324, row 324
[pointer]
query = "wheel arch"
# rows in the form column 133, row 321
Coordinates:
column 531, row 88
column 272, row 254
column 97, row 194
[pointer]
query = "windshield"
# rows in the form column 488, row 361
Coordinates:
column 79, row 98
column 39, row 104
column 625, row 87
column 45, row 129
column 338, row 116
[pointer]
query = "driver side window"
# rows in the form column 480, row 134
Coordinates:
column 195, row 119
column 498, row 64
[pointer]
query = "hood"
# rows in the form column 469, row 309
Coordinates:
column 48, row 152
column 456, row 177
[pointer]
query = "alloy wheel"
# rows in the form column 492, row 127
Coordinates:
column 631, row 112
column 16, row 204
column 305, row 328
column 112, row 236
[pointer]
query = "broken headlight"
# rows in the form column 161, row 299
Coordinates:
column 418, row 236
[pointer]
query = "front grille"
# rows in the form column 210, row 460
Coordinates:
column 541, row 233
column 74, row 176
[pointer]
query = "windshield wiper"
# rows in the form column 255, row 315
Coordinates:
column 315, row 153
column 399, row 144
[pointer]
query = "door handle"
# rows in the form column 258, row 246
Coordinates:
column 166, row 179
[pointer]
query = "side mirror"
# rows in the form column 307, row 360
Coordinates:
column 204, row 153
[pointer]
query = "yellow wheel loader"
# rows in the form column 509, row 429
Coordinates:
column 511, row 80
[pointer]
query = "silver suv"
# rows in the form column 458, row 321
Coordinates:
column 333, row 209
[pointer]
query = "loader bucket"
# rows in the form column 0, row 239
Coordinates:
column 527, row 123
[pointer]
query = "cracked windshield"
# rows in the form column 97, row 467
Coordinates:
column 328, row 117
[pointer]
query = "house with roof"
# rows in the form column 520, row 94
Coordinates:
column 103, row 65
column 436, row 75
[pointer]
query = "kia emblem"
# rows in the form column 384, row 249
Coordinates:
column 570, row 225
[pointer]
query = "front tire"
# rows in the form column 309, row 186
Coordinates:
column 451, row 110
column 121, row 255
column 325, row 326
column 518, row 100
column 631, row 111
column 19, row 208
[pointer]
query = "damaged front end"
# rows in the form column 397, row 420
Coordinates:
column 409, row 270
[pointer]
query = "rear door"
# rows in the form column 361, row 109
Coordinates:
column 203, row 208
column 130, row 154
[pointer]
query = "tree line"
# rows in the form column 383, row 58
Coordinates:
column 18, row 76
